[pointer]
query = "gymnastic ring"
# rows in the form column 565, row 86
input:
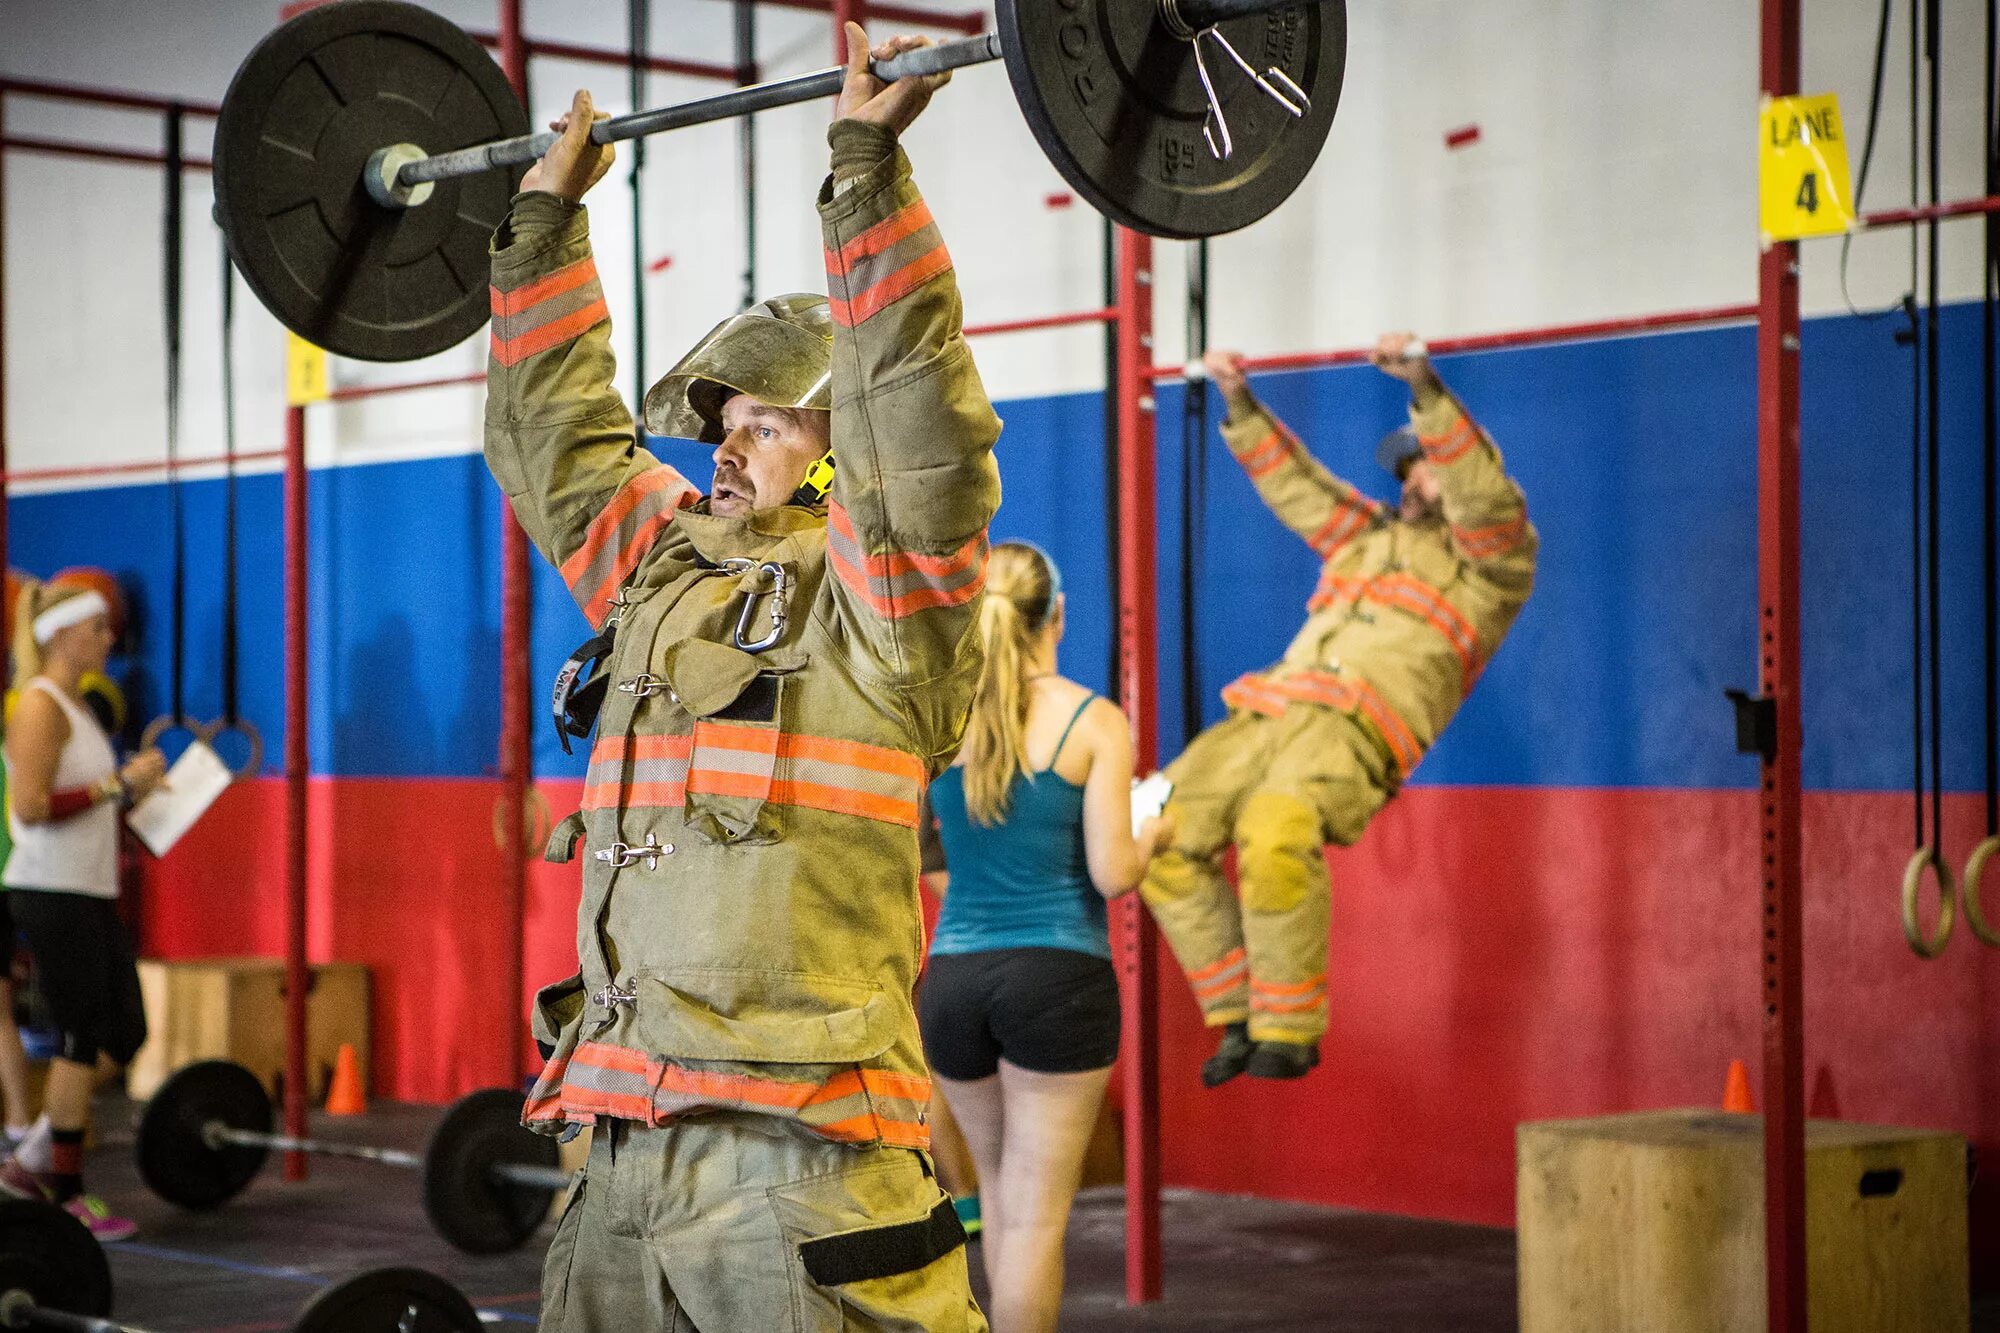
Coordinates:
column 1913, row 881
column 253, row 764
column 1968, row 889
column 534, row 822
column 171, row 722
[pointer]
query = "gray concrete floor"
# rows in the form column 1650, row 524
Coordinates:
column 1230, row 1263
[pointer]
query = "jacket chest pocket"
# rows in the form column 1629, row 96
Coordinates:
column 737, row 701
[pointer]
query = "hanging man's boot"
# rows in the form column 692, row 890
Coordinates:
column 1232, row 1055
column 1282, row 1059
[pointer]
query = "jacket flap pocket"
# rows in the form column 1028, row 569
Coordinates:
column 746, row 1017
column 707, row 677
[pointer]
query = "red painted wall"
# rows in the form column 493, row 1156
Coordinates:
column 1499, row 954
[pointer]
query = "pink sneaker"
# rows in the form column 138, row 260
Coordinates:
column 92, row 1212
column 20, row 1182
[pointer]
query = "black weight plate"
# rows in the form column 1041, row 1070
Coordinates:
column 466, row 1205
column 302, row 116
column 175, row 1161
column 390, row 1300
column 53, row 1257
column 1117, row 104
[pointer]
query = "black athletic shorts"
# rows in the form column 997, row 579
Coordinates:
column 1052, row 1011
column 85, row 971
column 6, row 938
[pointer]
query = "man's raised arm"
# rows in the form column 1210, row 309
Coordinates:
column 913, row 431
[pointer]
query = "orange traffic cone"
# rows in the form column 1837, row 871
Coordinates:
column 1736, row 1089
column 344, row 1095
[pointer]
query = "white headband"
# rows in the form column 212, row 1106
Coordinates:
column 70, row 611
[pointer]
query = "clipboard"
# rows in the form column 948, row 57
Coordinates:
column 192, row 785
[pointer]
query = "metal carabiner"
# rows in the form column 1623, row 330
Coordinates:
column 780, row 590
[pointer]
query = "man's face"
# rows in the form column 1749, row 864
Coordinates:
column 764, row 454
column 1422, row 498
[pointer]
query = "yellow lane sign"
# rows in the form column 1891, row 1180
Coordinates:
column 1804, row 183
column 305, row 372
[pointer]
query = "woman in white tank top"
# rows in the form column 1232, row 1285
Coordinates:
column 65, row 790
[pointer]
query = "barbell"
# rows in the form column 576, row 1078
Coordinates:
column 53, row 1276
column 487, row 1182
column 366, row 150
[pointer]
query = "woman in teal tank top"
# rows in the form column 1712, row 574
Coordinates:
column 1019, row 1004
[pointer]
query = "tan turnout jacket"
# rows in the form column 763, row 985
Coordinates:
column 1406, row 614
column 750, row 934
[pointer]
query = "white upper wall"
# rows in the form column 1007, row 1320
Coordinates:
column 1614, row 175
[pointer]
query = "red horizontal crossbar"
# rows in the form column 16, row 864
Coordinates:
column 77, row 92
column 604, row 55
column 353, row 391
column 1486, row 342
column 137, row 156
column 1903, row 217
column 123, row 469
column 1104, row 316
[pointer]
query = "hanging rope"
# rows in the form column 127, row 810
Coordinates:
column 639, row 27
column 1926, row 601
column 746, row 144
column 171, row 227
column 1194, row 488
column 1114, row 676
column 232, row 719
column 1983, row 854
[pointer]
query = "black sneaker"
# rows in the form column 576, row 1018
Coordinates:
column 1232, row 1054
column 1282, row 1059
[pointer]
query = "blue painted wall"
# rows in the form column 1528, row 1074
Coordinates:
column 1637, row 456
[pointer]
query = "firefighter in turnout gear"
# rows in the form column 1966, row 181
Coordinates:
column 1411, row 604
column 780, row 666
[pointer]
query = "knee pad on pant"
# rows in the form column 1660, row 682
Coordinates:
column 1278, row 849
column 1175, row 875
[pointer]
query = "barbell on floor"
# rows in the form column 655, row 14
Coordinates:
column 487, row 1182
column 53, row 1276
column 365, row 151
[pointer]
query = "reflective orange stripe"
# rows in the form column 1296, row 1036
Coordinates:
column 891, row 289
column 1264, row 1006
column 1267, row 455
column 567, row 278
column 1352, row 514
column 1208, row 990
column 1485, row 543
column 1411, row 594
column 1269, row 696
column 621, row 534
column 894, row 584
column 1318, row 983
column 521, row 328
column 1219, row 966
column 905, row 221
column 1451, row 446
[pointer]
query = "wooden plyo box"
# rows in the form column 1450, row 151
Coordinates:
column 1654, row 1223
column 234, row 1009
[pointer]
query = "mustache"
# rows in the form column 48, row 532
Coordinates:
column 731, row 478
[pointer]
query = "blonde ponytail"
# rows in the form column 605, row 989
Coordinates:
column 28, row 604
column 1020, row 598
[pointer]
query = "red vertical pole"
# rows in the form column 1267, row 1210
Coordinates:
column 297, row 772
column 844, row 13
column 516, row 753
column 1778, row 656
column 1138, row 661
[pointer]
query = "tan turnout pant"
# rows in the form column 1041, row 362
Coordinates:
column 720, row 1224
column 1280, row 788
